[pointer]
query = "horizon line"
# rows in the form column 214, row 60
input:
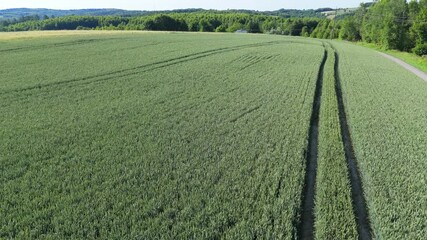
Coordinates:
column 157, row 10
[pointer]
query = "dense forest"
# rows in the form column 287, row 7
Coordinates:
column 17, row 13
column 203, row 21
column 391, row 24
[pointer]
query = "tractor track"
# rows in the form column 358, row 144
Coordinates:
column 306, row 225
column 358, row 199
column 55, row 45
column 142, row 68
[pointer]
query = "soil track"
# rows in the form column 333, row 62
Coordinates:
column 306, row 228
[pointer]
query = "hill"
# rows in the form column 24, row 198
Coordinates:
column 17, row 13
column 25, row 12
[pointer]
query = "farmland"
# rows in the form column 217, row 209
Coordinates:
column 334, row 216
column 387, row 116
column 201, row 138
column 207, row 136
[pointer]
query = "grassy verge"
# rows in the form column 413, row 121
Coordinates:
column 410, row 58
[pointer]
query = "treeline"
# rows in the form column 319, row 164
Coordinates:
column 17, row 13
column 199, row 21
column 391, row 24
column 8, row 22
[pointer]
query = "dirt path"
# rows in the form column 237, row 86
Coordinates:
column 410, row 68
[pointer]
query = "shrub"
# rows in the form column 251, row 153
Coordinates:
column 420, row 49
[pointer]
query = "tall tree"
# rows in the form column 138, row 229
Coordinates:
column 386, row 23
column 419, row 27
column 349, row 30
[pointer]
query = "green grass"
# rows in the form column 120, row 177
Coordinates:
column 149, row 136
column 410, row 58
column 387, row 116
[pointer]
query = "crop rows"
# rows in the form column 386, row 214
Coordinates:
column 333, row 202
column 212, row 147
column 387, row 116
column 208, row 137
column 333, row 208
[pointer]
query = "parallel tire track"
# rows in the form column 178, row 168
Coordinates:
column 144, row 68
column 306, row 225
column 63, row 44
column 359, row 203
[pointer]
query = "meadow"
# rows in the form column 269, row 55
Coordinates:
column 129, row 135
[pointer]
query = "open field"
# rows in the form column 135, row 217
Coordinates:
column 207, row 136
column 387, row 116
column 172, row 135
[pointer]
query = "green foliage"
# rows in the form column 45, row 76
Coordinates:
column 419, row 28
column 414, row 9
column 204, row 21
column 18, row 13
column 349, row 30
column 205, row 26
column 420, row 49
column 323, row 29
column 82, row 28
column 304, row 32
column 221, row 28
column 235, row 26
column 165, row 23
column 391, row 24
column 385, row 23
column 253, row 27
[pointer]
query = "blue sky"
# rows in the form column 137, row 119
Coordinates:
column 178, row 4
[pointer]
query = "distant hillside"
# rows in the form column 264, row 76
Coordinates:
column 286, row 13
column 17, row 13
column 341, row 13
column 25, row 12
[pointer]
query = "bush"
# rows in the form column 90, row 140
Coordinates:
column 221, row 28
column 83, row 28
column 420, row 49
